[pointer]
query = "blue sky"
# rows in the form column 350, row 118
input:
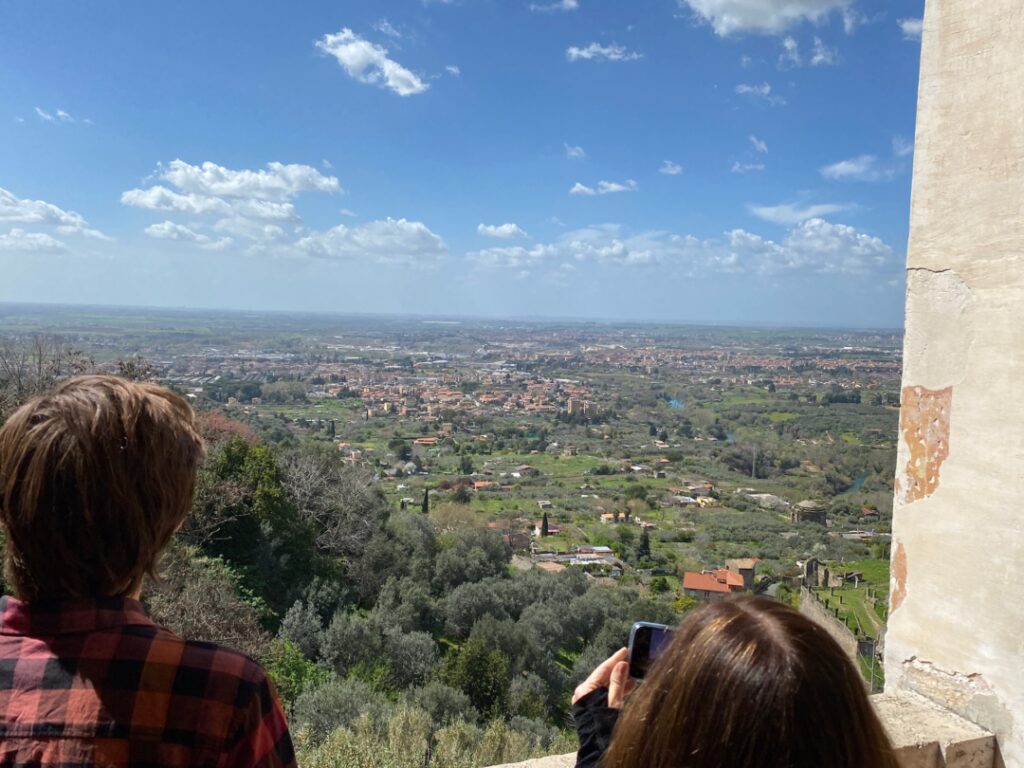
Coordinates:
column 727, row 161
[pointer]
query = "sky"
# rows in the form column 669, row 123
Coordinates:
column 713, row 161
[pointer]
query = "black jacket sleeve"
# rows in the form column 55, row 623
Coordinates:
column 594, row 721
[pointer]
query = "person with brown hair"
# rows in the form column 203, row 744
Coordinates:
column 94, row 481
column 744, row 683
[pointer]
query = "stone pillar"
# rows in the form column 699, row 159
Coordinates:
column 956, row 627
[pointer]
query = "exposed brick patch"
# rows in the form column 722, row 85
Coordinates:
column 924, row 425
column 899, row 577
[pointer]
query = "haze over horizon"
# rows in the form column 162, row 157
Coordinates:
column 690, row 161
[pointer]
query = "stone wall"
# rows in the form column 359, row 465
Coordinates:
column 955, row 628
column 819, row 614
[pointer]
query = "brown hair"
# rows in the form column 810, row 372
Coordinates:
column 750, row 683
column 94, row 480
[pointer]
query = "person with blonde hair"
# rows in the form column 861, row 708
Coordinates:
column 94, row 481
column 744, row 683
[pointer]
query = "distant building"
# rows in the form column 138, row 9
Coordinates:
column 745, row 567
column 807, row 512
column 712, row 585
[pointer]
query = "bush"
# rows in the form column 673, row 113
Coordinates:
column 339, row 704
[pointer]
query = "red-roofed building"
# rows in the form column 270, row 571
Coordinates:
column 712, row 585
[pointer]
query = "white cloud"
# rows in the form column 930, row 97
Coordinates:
column 507, row 231
column 728, row 17
column 759, row 145
column 168, row 230
column 327, row 164
column 19, row 240
column 863, row 168
column 852, row 19
column 739, row 167
column 670, row 169
column 159, row 198
column 911, row 28
column 574, row 153
column 790, row 56
column 823, row 56
column 791, row 213
column 369, row 63
column 385, row 27
column 247, row 203
column 604, row 188
column 16, row 210
column 815, row 246
column 347, row 212
column 598, row 52
column 388, row 241
column 901, row 147
column 279, row 182
column 453, row 70
column 762, row 92
column 59, row 116
column 559, row 5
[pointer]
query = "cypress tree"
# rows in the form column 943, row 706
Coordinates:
column 544, row 526
column 426, row 501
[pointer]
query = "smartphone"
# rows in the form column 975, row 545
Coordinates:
column 646, row 643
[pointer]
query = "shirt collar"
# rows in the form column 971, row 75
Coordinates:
column 45, row 618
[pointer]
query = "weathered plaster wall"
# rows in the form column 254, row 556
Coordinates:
column 956, row 630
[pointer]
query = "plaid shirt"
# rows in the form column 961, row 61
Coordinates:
column 97, row 683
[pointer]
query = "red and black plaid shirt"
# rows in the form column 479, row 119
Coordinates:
column 97, row 683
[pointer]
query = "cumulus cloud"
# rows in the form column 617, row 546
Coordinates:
column 369, row 63
column 762, row 92
column 815, row 246
column 729, row 17
column 791, row 213
column 16, row 210
column 243, row 200
column 604, row 188
column 759, row 144
column 863, row 168
column 387, row 241
column 507, row 231
column 18, row 240
column 560, row 5
column 277, row 182
column 911, row 29
column 574, row 153
column 598, row 52
column 168, row 230
column 670, row 169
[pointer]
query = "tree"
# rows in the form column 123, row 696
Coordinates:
column 643, row 550
column 466, row 465
column 544, row 526
column 426, row 501
column 659, row 585
column 482, row 673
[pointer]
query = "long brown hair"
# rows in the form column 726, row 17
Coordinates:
column 750, row 683
column 94, row 480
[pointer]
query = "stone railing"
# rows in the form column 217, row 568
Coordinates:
column 925, row 735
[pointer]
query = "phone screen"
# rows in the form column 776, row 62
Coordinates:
column 646, row 643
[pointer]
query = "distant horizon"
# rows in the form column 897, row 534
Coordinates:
column 450, row 319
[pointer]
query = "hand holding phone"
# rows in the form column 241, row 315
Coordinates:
column 646, row 643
